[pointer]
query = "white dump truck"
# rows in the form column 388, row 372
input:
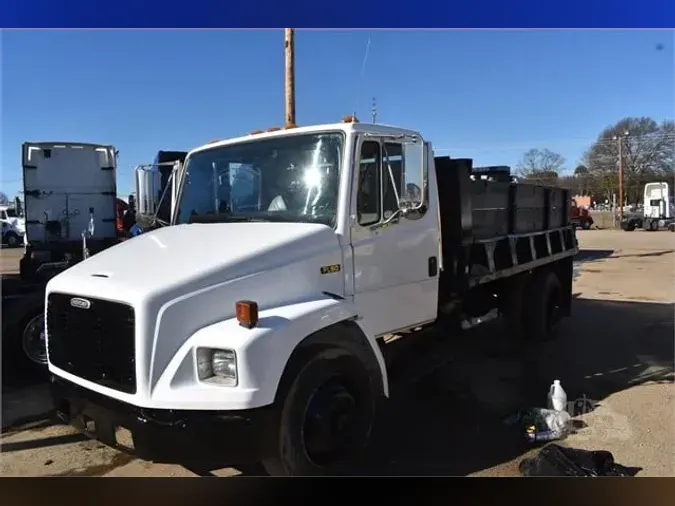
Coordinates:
column 253, row 328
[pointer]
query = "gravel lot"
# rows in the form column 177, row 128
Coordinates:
column 617, row 349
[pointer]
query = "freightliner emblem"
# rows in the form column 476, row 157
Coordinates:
column 80, row 303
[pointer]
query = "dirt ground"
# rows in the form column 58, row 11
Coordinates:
column 9, row 260
column 617, row 349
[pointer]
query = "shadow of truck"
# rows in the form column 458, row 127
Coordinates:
column 451, row 423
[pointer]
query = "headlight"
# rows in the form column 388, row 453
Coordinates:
column 217, row 366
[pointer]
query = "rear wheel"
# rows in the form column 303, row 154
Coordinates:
column 26, row 268
column 512, row 307
column 326, row 418
column 33, row 341
column 586, row 224
column 542, row 308
column 654, row 225
column 24, row 349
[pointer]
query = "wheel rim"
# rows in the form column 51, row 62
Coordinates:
column 12, row 240
column 33, row 341
column 331, row 423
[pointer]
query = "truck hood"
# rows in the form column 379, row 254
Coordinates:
column 191, row 257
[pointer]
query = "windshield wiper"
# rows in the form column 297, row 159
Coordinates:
column 228, row 218
column 274, row 217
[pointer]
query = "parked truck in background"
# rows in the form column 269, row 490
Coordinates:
column 580, row 217
column 69, row 187
column 255, row 328
column 13, row 225
column 69, row 182
column 657, row 209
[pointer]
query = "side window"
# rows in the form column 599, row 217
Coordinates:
column 11, row 213
column 368, row 197
column 392, row 165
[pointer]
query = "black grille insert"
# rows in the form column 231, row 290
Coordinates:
column 93, row 339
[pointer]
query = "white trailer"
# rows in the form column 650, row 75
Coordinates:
column 69, row 187
column 254, row 329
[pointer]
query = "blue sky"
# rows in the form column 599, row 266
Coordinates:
column 489, row 95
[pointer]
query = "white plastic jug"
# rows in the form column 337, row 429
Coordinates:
column 557, row 398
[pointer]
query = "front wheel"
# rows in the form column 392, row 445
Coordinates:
column 326, row 419
column 12, row 239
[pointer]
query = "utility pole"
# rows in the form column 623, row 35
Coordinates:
column 620, row 138
column 290, row 77
column 374, row 111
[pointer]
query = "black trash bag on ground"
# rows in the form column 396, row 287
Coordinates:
column 556, row 460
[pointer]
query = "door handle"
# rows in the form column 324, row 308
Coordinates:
column 433, row 267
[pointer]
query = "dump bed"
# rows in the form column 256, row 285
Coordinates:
column 63, row 181
column 475, row 208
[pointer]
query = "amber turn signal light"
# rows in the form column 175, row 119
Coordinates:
column 247, row 313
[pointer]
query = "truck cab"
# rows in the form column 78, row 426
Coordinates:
column 255, row 324
column 13, row 226
column 658, row 208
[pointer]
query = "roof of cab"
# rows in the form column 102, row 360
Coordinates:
column 343, row 127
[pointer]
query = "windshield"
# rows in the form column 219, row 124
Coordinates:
column 292, row 178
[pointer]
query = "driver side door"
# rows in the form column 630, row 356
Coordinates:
column 395, row 264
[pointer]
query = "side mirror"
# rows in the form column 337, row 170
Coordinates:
column 413, row 183
column 148, row 186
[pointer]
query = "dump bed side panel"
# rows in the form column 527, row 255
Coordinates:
column 496, row 208
column 62, row 182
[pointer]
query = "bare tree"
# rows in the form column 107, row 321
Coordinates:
column 3, row 199
column 541, row 166
column 648, row 154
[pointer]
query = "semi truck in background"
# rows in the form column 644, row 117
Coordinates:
column 13, row 224
column 658, row 209
column 255, row 328
column 68, row 187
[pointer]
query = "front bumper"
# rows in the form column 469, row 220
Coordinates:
column 209, row 439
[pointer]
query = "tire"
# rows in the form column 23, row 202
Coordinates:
column 26, row 269
column 19, row 367
column 586, row 224
column 12, row 239
column 331, row 374
column 513, row 306
column 654, row 225
column 541, row 311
